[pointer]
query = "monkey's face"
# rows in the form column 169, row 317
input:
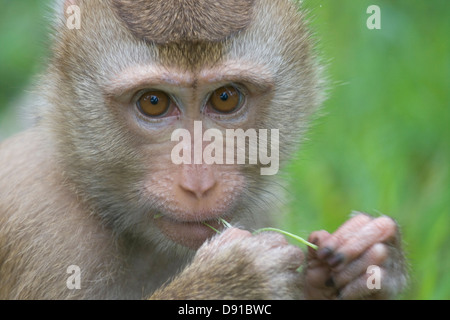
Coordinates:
column 185, row 162
column 146, row 121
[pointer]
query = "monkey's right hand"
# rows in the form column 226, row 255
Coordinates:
column 239, row 265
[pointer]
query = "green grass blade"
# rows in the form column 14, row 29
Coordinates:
column 209, row 226
column 293, row 236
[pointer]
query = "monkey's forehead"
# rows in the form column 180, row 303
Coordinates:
column 169, row 21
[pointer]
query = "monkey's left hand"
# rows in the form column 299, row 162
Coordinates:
column 339, row 268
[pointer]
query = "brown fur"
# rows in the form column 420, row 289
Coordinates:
column 86, row 184
column 168, row 21
column 267, row 266
column 44, row 229
column 71, row 188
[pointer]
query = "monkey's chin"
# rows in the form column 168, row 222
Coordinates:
column 187, row 233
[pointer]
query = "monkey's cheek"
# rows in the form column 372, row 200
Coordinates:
column 189, row 234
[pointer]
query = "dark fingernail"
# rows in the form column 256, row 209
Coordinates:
column 329, row 283
column 336, row 260
column 324, row 253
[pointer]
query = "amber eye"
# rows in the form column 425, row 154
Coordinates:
column 225, row 99
column 154, row 103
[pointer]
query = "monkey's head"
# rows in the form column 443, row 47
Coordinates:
column 136, row 71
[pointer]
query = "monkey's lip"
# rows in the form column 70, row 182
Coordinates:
column 191, row 234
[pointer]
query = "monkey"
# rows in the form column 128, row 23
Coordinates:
column 91, row 183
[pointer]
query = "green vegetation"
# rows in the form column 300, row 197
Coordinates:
column 382, row 144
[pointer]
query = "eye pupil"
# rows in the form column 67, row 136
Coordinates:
column 154, row 100
column 224, row 96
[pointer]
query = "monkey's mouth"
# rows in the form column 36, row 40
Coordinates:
column 191, row 234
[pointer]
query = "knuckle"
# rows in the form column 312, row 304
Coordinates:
column 294, row 256
column 361, row 219
column 295, row 252
column 232, row 235
column 387, row 224
column 317, row 236
column 379, row 252
column 271, row 239
column 236, row 233
column 279, row 239
column 332, row 243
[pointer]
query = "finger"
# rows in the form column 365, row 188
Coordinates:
column 273, row 244
column 318, row 281
column 231, row 234
column 317, row 238
column 342, row 235
column 318, row 285
column 318, row 276
column 344, row 232
column 364, row 288
column 273, row 239
column 376, row 255
column 293, row 257
column 378, row 230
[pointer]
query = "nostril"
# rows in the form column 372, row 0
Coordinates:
column 197, row 180
column 198, row 191
column 188, row 191
column 205, row 192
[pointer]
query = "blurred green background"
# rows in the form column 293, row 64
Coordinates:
column 382, row 144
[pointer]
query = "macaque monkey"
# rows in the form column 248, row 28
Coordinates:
column 92, row 184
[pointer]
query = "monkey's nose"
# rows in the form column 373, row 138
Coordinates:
column 197, row 181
